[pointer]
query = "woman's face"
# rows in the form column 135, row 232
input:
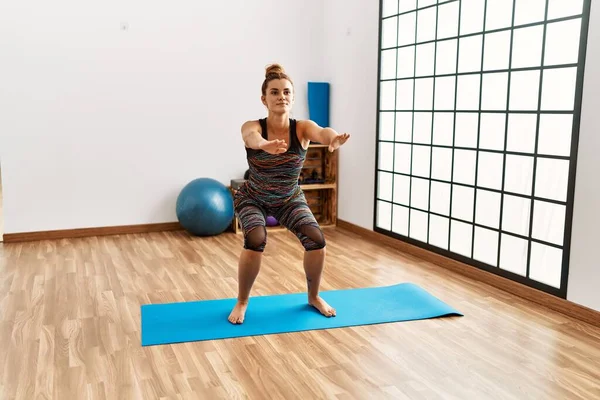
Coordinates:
column 280, row 96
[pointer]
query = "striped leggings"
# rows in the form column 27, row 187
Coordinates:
column 295, row 215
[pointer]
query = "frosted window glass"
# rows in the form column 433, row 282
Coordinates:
column 447, row 53
column 492, row 129
column 402, row 158
column 528, row 11
column 515, row 215
column 384, row 215
column 496, row 50
column 524, row 90
column 555, row 134
column 421, row 160
column 400, row 220
column 486, row 246
column 461, row 238
column 404, row 94
column 562, row 42
column 464, row 166
column 389, row 32
column 440, row 198
column 513, row 254
column 494, row 91
column 443, row 128
column 564, row 8
column 467, row 97
column 426, row 21
column 466, row 130
column 406, row 62
column 447, row 20
column 548, row 222
column 489, row 171
column 425, row 59
column 518, row 174
column 498, row 14
column 422, row 127
column 439, row 231
column 387, row 95
column 384, row 185
column 444, row 93
column 487, row 211
column 389, row 7
column 462, row 202
column 521, row 133
column 418, row 225
column 441, row 164
column 401, row 189
column 558, row 89
column 419, row 193
column 552, row 179
column 527, row 47
column 406, row 28
column 469, row 59
column 386, row 156
column 386, row 126
column 546, row 264
column 424, row 94
column 471, row 16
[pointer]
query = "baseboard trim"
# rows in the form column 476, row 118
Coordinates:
column 563, row 306
column 87, row 232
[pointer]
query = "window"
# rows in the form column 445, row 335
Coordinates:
column 477, row 127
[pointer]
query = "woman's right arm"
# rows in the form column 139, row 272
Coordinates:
column 251, row 135
column 253, row 139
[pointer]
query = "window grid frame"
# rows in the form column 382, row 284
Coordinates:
column 571, row 158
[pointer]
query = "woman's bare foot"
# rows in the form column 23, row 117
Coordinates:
column 238, row 312
column 322, row 306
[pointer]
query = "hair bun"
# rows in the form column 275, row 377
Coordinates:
column 274, row 69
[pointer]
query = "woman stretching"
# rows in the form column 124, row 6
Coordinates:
column 276, row 149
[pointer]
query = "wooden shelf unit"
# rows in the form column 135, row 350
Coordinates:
column 321, row 194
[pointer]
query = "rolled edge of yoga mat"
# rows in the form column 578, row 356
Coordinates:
column 318, row 103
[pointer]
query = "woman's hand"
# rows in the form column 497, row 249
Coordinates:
column 276, row 146
column 337, row 141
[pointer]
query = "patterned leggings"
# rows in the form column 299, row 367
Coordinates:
column 295, row 215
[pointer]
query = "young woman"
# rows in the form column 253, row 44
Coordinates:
column 276, row 148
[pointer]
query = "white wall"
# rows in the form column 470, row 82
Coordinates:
column 102, row 126
column 352, row 32
column 584, row 276
column 352, row 41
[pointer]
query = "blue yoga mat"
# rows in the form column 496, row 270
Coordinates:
column 318, row 103
column 207, row 319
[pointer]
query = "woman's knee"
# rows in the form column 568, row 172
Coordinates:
column 312, row 238
column 256, row 239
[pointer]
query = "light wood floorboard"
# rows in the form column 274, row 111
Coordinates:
column 70, row 328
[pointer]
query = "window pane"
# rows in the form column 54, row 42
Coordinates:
column 469, row 59
column 527, row 47
column 487, row 210
column 421, row 161
column 443, row 128
column 389, row 7
column 402, row 158
column 387, row 94
column 384, row 185
column 386, row 126
column 439, row 228
column 518, row 173
column 489, row 171
column 447, row 20
column 555, row 134
column 424, row 94
column 406, row 28
column 426, row 24
column 440, row 198
column 407, row 5
column 461, row 238
column 496, row 50
column 419, row 193
column 389, row 32
column 552, row 179
column 562, row 42
column 562, row 8
column 466, row 130
column 406, row 62
column 418, row 225
column 447, row 53
column 548, row 222
column 521, row 133
column 464, row 166
column 441, row 164
column 402, row 189
column 444, row 93
column 471, row 16
column 498, row 14
column 515, row 215
column 546, row 264
column 491, row 134
column 422, row 127
column 486, row 246
column 388, row 64
column 386, row 156
column 528, row 11
column 524, row 90
column 558, row 89
column 400, row 220
column 384, row 215
column 462, row 202
column 467, row 97
column 494, row 91
column 425, row 59
column 404, row 94
column 513, row 254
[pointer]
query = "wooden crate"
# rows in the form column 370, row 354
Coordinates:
column 321, row 193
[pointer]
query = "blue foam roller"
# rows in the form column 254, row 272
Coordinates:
column 318, row 103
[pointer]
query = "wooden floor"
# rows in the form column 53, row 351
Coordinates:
column 70, row 328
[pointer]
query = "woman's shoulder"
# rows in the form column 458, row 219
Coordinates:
column 253, row 125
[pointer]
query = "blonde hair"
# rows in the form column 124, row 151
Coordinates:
column 274, row 71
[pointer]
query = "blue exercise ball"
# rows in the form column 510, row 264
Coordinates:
column 205, row 207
